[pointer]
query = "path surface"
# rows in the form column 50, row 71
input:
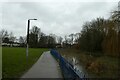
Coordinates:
column 45, row 67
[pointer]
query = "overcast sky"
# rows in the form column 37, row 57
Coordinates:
column 60, row 18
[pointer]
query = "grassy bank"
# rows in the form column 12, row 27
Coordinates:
column 14, row 62
column 101, row 66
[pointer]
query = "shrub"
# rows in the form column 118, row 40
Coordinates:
column 96, row 67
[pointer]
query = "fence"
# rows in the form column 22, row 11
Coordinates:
column 67, row 68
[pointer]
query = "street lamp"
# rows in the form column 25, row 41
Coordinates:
column 28, row 36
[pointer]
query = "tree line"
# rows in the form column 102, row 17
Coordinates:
column 101, row 35
column 98, row 36
column 40, row 39
column 37, row 39
column 6, row 37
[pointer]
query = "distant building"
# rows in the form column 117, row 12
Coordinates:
column 11, row 45
column 59, row 46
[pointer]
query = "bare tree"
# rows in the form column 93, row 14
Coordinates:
column 66, row 41
column 12, row 37
column 72, row 38
column 3, row 34
column 59, row 39
column 34, row 36
column 77, row 36
column 21, row 39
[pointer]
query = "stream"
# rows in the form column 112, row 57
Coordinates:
column 77, row 65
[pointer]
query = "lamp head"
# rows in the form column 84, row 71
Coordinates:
column 32, row 19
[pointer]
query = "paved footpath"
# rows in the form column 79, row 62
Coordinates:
column 45, row 67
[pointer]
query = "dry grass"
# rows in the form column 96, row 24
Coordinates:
column 96, row 66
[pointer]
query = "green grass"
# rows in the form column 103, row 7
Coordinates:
column 14, row 63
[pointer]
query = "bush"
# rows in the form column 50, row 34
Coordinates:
column 96, row 67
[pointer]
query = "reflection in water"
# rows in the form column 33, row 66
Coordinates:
column 77, row 66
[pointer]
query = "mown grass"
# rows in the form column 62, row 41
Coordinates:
column 14, row 62
column 102, row 66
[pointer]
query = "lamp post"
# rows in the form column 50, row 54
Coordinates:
column 28, row 36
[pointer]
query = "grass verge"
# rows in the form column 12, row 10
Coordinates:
column 14, row 62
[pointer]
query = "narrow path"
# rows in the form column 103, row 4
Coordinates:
column 45, row 67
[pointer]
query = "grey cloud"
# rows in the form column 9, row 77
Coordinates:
column 59, row 18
